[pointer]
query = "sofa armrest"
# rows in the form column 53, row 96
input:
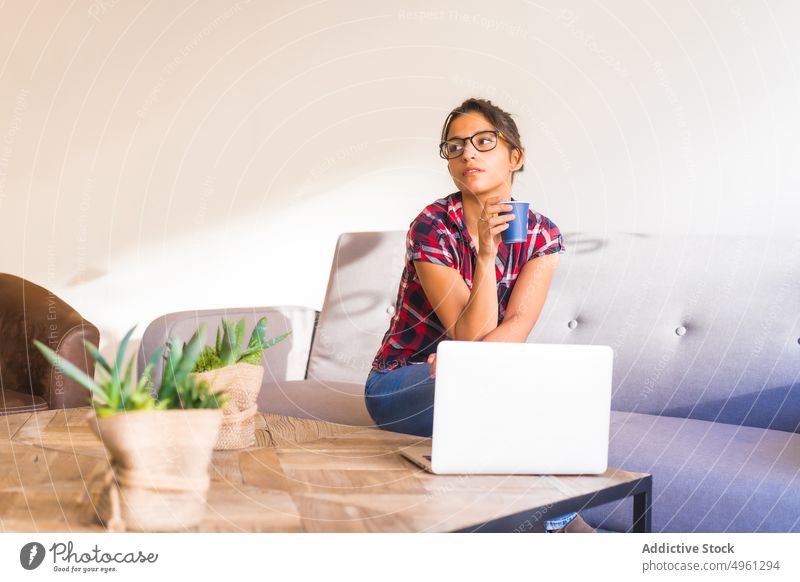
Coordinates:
column 287, row 360
column 29, row 312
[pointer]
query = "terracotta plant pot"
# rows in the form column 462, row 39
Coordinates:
column 242, row 383
column 160, row 459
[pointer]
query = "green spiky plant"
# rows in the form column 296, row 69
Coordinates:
column 227, row 351
column 178, row 384
column 118, row 391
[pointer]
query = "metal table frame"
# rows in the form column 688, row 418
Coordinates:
column 533, row 520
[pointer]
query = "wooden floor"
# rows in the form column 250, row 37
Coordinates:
column 302, row 476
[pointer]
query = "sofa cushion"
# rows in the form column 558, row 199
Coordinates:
column 359, row 305
column 707, row 476
column 340, row 402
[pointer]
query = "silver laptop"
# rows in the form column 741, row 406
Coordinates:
column 519, row 408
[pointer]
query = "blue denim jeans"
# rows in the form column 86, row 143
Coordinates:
column 401, row 400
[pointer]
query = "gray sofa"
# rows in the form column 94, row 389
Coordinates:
column 706, row 339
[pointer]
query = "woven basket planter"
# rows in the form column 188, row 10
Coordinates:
column 159, row 479
column 242, row 383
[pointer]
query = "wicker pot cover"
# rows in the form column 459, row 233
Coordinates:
column 159, row 478
column 242, row 383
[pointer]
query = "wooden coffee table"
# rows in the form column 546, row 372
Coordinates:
column 302, row 476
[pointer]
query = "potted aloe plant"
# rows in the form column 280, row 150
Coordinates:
column 160, row 442
column 237, row 372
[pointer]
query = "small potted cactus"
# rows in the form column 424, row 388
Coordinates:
column 160, row 443
column 237, row 372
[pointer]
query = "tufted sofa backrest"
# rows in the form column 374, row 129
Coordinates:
column 702, row 327
column 359, row 303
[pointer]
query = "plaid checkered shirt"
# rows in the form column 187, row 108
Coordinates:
column 439, row 235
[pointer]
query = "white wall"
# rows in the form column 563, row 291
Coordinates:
column 178, row 155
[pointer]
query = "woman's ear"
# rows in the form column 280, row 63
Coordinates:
column 517, row 159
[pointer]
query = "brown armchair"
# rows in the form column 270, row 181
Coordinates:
column 27, row 381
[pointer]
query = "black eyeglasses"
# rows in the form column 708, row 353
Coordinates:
column 483, row 141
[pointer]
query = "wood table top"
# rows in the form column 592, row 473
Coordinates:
column 301, row 476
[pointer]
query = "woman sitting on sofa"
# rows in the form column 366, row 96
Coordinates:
column 460, row 280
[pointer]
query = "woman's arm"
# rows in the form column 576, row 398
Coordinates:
column 465, row 314
column 472, row 315
column 527, row 299
column 525, row 304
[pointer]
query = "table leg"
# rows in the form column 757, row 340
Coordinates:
column 642, row 509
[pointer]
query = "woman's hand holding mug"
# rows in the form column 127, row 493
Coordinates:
column 491, row 225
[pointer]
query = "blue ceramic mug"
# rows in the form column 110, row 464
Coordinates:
column 517, row 231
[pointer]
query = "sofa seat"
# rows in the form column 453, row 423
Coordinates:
column 340, row 402
column 720, row 477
